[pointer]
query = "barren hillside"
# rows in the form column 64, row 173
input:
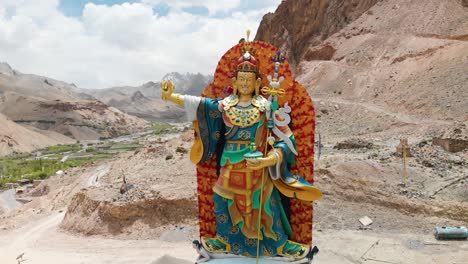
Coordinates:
column 399, row 69
column 379, row 71
column 16, row 138
column 53, row 105
column 37, row 86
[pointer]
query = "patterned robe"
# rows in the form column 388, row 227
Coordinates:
column 237, row 192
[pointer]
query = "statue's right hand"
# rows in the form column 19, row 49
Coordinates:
column 168, row 88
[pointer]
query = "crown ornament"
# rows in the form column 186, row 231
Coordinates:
column 247, row 61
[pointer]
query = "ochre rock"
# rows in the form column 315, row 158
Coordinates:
column 323, row 52
column 298, row 24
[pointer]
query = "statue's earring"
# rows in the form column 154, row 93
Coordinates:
column 257, row 86
column 234, row 86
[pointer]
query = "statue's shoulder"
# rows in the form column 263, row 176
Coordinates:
column 229, row 101
column 261, row 103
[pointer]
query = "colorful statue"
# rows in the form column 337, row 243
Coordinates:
column 254, row 174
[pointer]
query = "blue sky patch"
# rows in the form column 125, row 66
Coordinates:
column 161, row 9
column 74, row 8
column 196, row 10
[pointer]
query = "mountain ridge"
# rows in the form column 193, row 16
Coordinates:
column 54, row 105
column 148, row 103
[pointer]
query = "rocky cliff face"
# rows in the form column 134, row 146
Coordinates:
column 298, row 25
column 396, row 68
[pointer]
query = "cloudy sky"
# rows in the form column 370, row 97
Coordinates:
column 103, row 43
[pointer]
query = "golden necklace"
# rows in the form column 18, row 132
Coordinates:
column 243, row 117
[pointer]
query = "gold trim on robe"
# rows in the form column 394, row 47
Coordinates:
column 239, row 184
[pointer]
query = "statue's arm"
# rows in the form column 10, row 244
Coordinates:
column 168, row 88
column 179, row 99
column 189, row 102
column 275, row 156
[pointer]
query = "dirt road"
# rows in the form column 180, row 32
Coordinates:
column 42, row 242
column 93, row 178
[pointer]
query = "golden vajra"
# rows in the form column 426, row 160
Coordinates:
column 273, row 91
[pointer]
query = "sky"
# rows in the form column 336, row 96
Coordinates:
column 105, row 43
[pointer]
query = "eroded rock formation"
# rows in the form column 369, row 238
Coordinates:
column 297, row 25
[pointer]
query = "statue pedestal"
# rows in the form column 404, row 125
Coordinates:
column 244, row 261
column 226, row 258
column 241, row 261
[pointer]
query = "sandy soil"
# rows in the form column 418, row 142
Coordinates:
column 43, row 242
column 355, row 182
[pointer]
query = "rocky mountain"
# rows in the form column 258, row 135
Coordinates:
column 188, row 83
column 378, row 68
column 48, row 104
column 15, row 138
column 297, row 25
column 145, row 101
column 37, row 86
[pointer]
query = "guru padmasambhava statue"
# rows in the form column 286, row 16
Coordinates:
column 251, row 201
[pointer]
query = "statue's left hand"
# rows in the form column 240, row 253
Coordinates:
column 168, row 88
column 260, row 163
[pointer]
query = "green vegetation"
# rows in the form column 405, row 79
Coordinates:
column 128, row 146
column 91, row 149
column 26, row 166
column 23, row 155
column 62, row 148
column 162, row 128
column 13, row 168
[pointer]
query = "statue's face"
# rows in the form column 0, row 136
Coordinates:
column 246, row 83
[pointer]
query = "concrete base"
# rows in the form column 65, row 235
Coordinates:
column 242, row 261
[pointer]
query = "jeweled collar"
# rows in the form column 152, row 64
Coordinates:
column 258, row 101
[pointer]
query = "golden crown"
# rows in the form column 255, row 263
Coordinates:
column 247, row 61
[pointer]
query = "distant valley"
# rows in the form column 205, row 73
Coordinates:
column 37, row 111
column 145, row 101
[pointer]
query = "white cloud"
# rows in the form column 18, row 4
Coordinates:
column 125, row 44
column 213, row 6
column 127, row 25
